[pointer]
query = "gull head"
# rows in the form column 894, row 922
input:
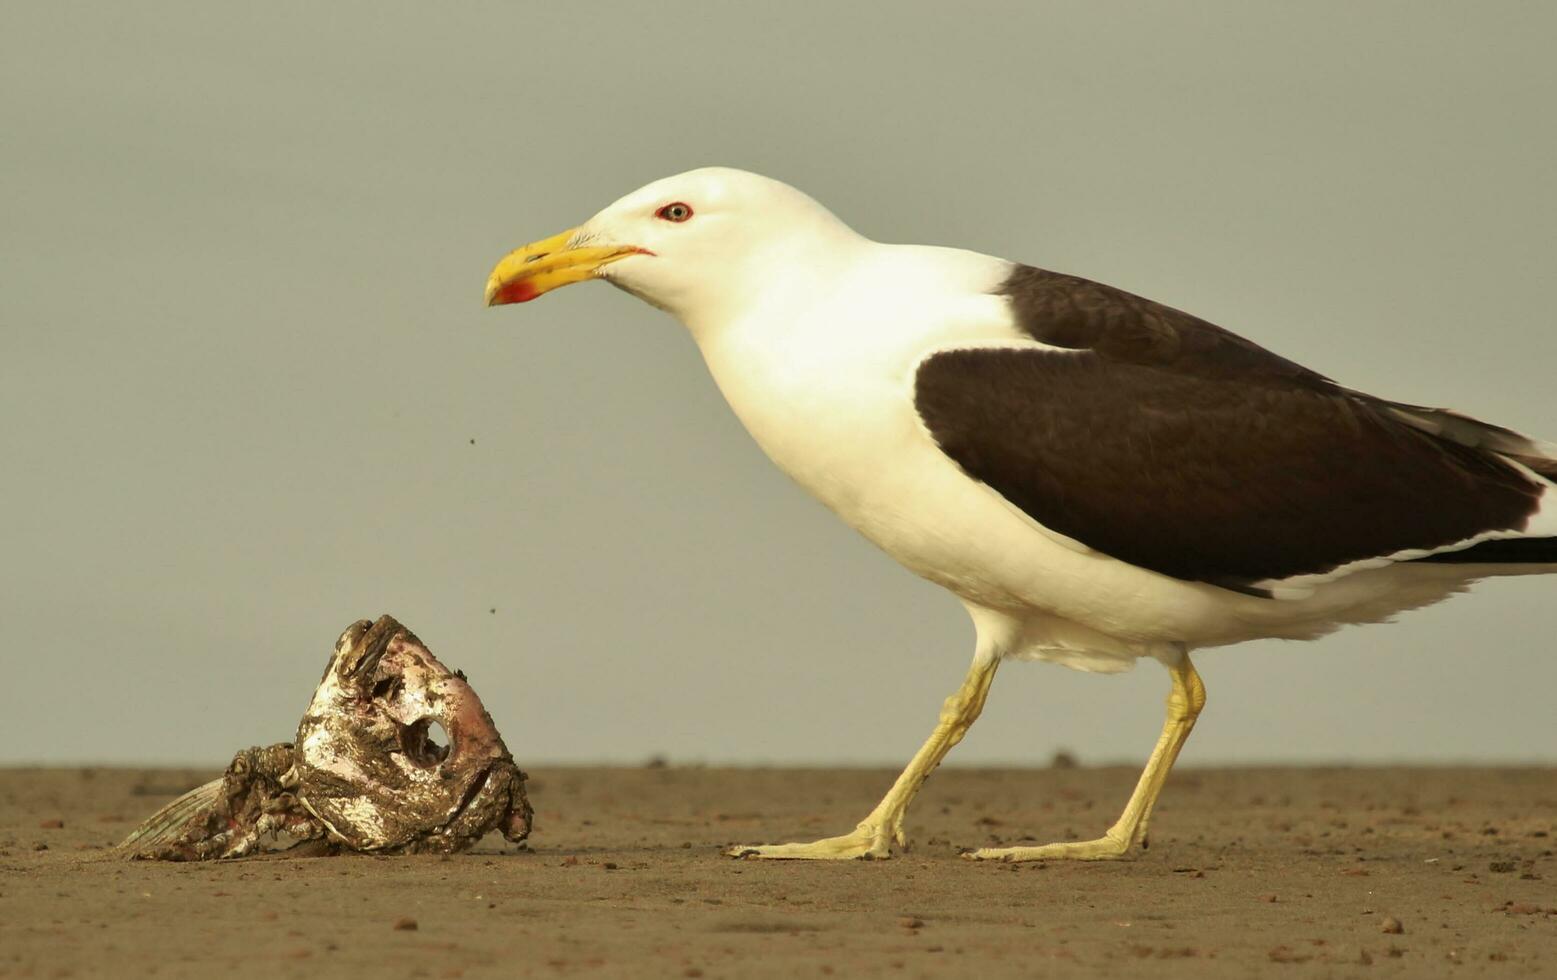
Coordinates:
column 701, row 245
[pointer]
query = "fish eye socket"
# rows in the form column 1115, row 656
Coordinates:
column 679, row 211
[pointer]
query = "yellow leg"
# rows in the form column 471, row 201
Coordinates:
column 1184, row 703
column 876, row 834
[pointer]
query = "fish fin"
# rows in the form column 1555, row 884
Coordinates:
column 171, row 819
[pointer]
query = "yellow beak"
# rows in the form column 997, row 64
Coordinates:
column 542, row 266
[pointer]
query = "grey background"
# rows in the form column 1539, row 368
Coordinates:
column 244, row 353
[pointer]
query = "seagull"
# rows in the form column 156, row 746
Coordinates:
column 1098, row 478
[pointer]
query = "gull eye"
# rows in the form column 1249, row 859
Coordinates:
column 675, row 212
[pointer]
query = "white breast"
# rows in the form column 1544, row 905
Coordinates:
column 824, row 383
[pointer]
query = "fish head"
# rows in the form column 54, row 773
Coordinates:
column 371, row 765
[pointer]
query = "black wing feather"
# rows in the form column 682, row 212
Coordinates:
column 1175, row 445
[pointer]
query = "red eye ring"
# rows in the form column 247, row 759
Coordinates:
column 677, row 211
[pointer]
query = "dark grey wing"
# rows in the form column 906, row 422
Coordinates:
column 1172, row 444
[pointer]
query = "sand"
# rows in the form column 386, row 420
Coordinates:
column 1290, row 872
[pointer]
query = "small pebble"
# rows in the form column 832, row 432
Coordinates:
column 1391, row 926
column 405, row 924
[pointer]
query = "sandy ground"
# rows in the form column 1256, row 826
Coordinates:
column 1269, row 871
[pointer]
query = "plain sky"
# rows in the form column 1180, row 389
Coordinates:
column 248, row 391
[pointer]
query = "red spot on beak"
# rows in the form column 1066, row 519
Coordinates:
column 517, row 291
